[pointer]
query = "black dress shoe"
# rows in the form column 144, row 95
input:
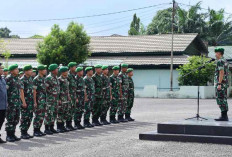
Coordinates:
column 1, row 141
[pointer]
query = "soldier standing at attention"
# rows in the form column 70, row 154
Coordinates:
column 72, row 91
column 81, row 97
column 13, row 85
column 53, row 91
column 124, row 87
column 90, row 92
column 3, row 98
column 27, row 108
column 115, row 86
column 106, row 94
column 39, row 93
column 221, row 83
column 64, row 104
column 97, row 106
column 5, row 72
column 131, row 95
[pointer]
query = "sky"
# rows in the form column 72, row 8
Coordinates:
column 94, row 26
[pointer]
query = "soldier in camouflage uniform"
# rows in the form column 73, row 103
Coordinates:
column 28, row 102
column 131, row 95
column 90, row 92
column 53, row 91
column 81, row 97
column 97, row 106
column 72, row 91
column 64, row 104
column 39, row 92
column 124, row 87
column 115, row 85
column 13, row 85
column 106, row 94
column 5, row 73
column 221, row 83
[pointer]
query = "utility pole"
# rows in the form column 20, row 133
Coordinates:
column 174, row 6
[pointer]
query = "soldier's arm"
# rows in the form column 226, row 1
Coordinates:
column 23, row 98
column 34, row 92
column 221, row 73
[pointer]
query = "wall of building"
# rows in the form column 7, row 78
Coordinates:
column 157, row 77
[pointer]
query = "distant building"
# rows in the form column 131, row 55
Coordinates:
column 149, row 55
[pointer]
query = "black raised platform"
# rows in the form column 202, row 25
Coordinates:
column 207, row 131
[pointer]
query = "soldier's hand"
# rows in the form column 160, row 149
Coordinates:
column 24, row 105
column 111, row 98
column 77, row 100
column 35, row 105
column 86, row 99
column 219, row 87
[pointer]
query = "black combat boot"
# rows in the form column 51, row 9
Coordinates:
column 104, row 121
column 87, row 124
column 113, row 120
column 16, row 138
column 10, row 136
column 95, row 122
column 59, row 127
column 24, row 135
column 78, row 125
column 37, row 132
column 41, row 133
column 128, row 117
column 69, row 125
column 47, row 130
column 53, row 130
column 121, row 119
column 223, row 116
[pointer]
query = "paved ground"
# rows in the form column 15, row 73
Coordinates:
column 123, row 139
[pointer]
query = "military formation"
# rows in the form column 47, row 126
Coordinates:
column 63, row 96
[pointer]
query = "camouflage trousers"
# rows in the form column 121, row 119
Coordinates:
column 71, row 109
column 79, row 109
column 221, row 98
column 105, row 106
column 26, row 116
column 51, row 113
column 88, row 109
column 12, row 114
column 97, row 108
column 63, row 112
column 122, row 104
column 114, row 106
column 39, row 112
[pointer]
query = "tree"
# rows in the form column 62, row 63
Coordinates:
column 201, row 76
column 135, row 26
column 62, row 47
column 219, row 29
column 36, row 36
column 4, row 51
column 5, row 32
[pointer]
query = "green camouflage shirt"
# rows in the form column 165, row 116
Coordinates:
column 80, row 86
column 72, row 84
column 13, row 85
column 90, row 87
column 27, row 83
column 222, row 64
column 98, row 85
column 131, row 87
column 115, row 84
column 64, row 89
column 40, row 87
column 123, row 79
column 52, row 88
column 106, row 86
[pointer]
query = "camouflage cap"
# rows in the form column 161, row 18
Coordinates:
column 98, row 66
column 42, row 67
column 88, row 69
column 13, row 67
column 63, row 69
column 52, row 67
column 115, row 68
column 72, row 64
column 27, row 67
column 104, row 67
column 124, row 65
column 78, row 69
column 5, row 69
column 129, row 70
